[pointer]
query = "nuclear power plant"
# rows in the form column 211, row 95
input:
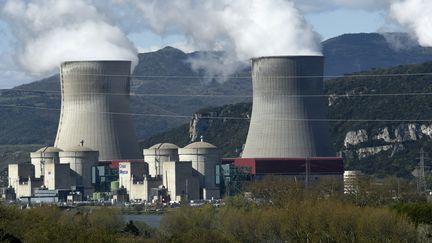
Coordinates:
column 96, row 151
column 95, row 109
column 288, row 109
column 288, row 132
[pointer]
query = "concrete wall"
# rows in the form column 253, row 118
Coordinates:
column 94, row 96
column 204, row 163
column 39, row 159
column 211, row 193
column 179, row 181
column 288, row 109
column 81, row 164
column 141, row 191
column 18, row 173
column 58, row 176
column 130, row 172
column 155, row 158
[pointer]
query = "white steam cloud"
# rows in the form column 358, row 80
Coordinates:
column 241, row 29
column 249, row 28
column 329, row 5
column 52, row 31
column 416, row 17
column 48, row 32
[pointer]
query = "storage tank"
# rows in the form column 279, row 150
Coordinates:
column 288, row 111
column 204, row 157
column 43, row 156
column 352, row 180
column 114, row 186
column 81, row 160
column 159, row 153
column 95, row 109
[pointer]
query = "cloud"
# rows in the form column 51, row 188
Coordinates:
column 242, row 29
column 52, row 31
column 248, row 28
column 310, row 6
column 416, row 17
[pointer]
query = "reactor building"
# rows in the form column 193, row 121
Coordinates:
column 95, row 109
column 288, row 132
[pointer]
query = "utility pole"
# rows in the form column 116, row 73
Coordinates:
column 420, row 175
column 307, row 172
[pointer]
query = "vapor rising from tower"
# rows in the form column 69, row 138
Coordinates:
column 95, row 109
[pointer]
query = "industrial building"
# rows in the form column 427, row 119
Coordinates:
column 44, row 156
column 187, row 173
column 95, row 131
column 95, row 109
column 22, row 179
column 96, row 149
column 288, row 134
column 159, row 153
column 352, row 180
column 205, row 158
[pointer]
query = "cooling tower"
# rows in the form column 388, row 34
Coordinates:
column 288, row 111
column 95, row 109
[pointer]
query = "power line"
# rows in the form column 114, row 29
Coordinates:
column 286, row 76
column 249, row 75
column 133, row 94
column 227, row 117
column 230, row 95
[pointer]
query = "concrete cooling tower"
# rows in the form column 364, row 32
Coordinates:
column 95, row 107
column 288, row 109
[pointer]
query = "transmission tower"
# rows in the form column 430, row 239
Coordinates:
column 420, row 172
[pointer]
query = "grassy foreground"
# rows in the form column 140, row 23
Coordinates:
column 276, row 212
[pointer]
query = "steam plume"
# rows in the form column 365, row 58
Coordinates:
column 241, row 29
column 249, row 28
column 416, row 17
column 51, row 31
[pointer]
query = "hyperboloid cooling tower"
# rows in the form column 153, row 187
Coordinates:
column 288, row 112
column 95, row 109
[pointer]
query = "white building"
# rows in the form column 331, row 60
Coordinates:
column 204, row 158
column 20, row 178
column 81, row 160
column 44, row 156
column 179, row 180
column 157, row 154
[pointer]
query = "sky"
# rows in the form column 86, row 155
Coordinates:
column 327, row 23
column 36, row 35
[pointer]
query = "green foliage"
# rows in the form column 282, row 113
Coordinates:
column 378, row 193
column 419, row 213
column 356, row 52
column 292, row 214
column 131, row 228
column 50, row 224
column 276, row 210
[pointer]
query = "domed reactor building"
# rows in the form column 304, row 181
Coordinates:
column 288, row 132
column 95, row 109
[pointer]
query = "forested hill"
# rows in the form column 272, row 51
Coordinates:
column 380, row 120
column 350, row 53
